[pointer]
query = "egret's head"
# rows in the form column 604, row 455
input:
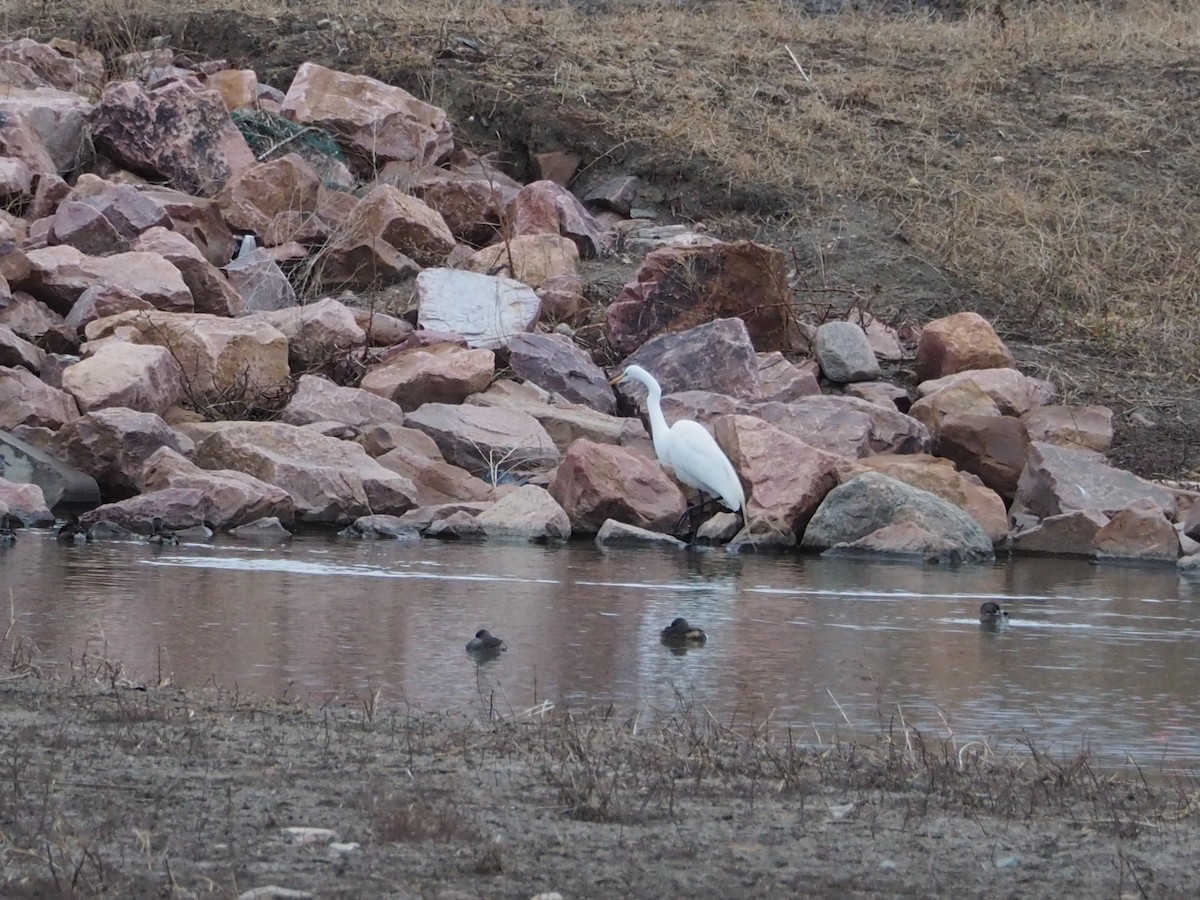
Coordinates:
column 633, row 373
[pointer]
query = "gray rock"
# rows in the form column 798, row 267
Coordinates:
column 618, row 534
column 268, row 529
column 487, row 310
column 718, row 357
column 373, row 527
column 1057, row 480
column 260, row 282
column 486, row 441
column 553, row 362
column 845, row 354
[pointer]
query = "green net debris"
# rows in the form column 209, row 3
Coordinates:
column 271, row 136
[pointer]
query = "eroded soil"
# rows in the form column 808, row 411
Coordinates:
column 164, row 792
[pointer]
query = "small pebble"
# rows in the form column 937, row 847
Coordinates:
column 1007, row 862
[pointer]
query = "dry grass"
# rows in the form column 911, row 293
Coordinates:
column 1044, row 156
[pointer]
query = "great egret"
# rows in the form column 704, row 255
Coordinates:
column 990, row 613
column 73, row 532
column 680, row 634
column 687, row 448
column 485, row 642
column 160, row 536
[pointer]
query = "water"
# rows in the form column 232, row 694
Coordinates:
column 1099, row 656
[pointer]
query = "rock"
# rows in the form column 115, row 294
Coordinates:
column 487, row 310
column 238, row 88
column 787, row 478
column 564, row 422
column 100, row 302
column 1189, row 567
column 783, row 382
column 455, row 527
column 471, row 197
column 27, row 317
column 199, row 220
column 963, row 398
column 1086, row 427
column 597, row 482
column 422, row 517
column 1139, row 531
column 442, row 373
column 717, row 357
column 1013, row 393
column 563, row 301
column 18, row 352
column 1191, row 522
column 171, row 132
column 543, row 207
column 319, row 400
column 404, row 222
column 379, row 438
column 373, row 527
column 268, row 530
column 939, row 477
column 61, row 274
column 845, row 354
column 486, row 441
column 252, row 199
column 358, row 259
column 528, row 512
column 64, row 64
column 1069, row 534
column 993, row 447
column 958, row 343
column 818, row 421
column 211, row 291
column 558, row 166
column 329, row 480
column 918, row 522
column 112, row 445
column 375, row 122
column 16, row 183
column 678, row 288
column 44, row 127
column 179, row 508
column 762, row 536
column 380, row 329
column 141, row 377
column 319, row 334
column 258, row 280
column 25, row 400
column 23, row 463
column 553, row 362
column 532, row 259
column 889, row 396
column 229, row 498
column 620, row 534
column 86, row 229
column 130, row 211
column 883, row 339
column 1057, row 480
column 23, row 501
column 436, row 480
column 224, row 361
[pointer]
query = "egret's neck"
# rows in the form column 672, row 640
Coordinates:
column 658, row 423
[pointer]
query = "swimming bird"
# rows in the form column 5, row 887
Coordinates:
column 74, row 532
column 160, row 536
column 990, row 613
column 485, row 642
column 680, row 634
column 8, row 528
column 687, row 448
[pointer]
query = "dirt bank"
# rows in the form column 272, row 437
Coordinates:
column 165, row 792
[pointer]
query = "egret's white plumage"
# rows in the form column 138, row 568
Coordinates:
column 687, row 448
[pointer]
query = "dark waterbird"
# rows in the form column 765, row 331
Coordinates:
column 680, row 634
column 485, row 642
column 74, row 532
column 160, row 536
column 8, row 528
column 990, row 613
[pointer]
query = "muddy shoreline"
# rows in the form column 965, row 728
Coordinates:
column 138, row 791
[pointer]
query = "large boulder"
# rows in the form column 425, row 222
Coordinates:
column 486, row 441
column 16, row 351
column 532, row 259
column 1058, row 480
column 44, row 127
column 1139, row 531
column 441, row 373
column 1086, row 427
column 783, row 382
column 874, row 512
column 172, row 132
column 319, row 400
column 24, row 501
column 1013, row 392
column 436, row 480
column 376, row 122
column 554, row 363
column 993, row 447
column 528, row 512
column 844, row 353
column 60, row 274
column 143, row 377
column 888, row 431
column 211, row 291
column 229, row 497
column 960, row 342
column 27, row 400
column 386, row 214
column 23, row 463
column 543, row 207
column 564, row 422
column 328, row 480
column 1070, row 534
column 598, row 482
column 470, row 196
column 252, row 199
column 319, row 334
column 487, row 310
column 178, row 507
column 260, row 282
column 678, row 288
column 199, row 220
column 112, row 445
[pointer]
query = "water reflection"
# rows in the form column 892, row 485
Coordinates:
column 1099, row 654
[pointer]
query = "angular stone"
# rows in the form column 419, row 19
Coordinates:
column 486, row 441
column 964, row 398
column 172, row 132
column 532, row 259
column 787, row 478
column 783, row 382
column 598, row 482
column 469, row 196
column 112, row 445
column 442, row 373
column 377, row 122
column 27, row 317
column 1014, row 393
column 59, row 275
column 22, row 463
column 64, row 64
column 252, row 198
column 958, row 343
column 679, row 288
column 25, row 502
column 558, row 166
column 320, row 400
column 44, row 127
column 819, row 420
column 844, row 353
column 621, row 534
column 85, row 228
column 1069, row 534
column 993, row 447
column 211, row 291
column 376, row 527
column 229, row 497
column 1139, row 531
column 199, row 220
column 329, row 480
column 872, row 502
column 134, row 376
column 889, row 396
column 129, row 210
column 564, row 422
column 100, row 302
column 16, row 351
column 379, row 438
column 260, row 282
column 528, row 512
column 436, row 480
column 487, row 310
column 543, row 207
column 1058, row 480
column 381, row 330
column 26, row 400
column 1086, row 427
column 238, row 87
column 179, row 508
column 554, row 363
column 319, row 334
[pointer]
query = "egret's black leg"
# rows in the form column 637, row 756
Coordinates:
column 688, row 516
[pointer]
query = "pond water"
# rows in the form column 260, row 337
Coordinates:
column 1100, row 656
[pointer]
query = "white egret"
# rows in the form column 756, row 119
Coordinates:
column 687, row 448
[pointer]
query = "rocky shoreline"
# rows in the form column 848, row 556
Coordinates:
column 247, row 308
